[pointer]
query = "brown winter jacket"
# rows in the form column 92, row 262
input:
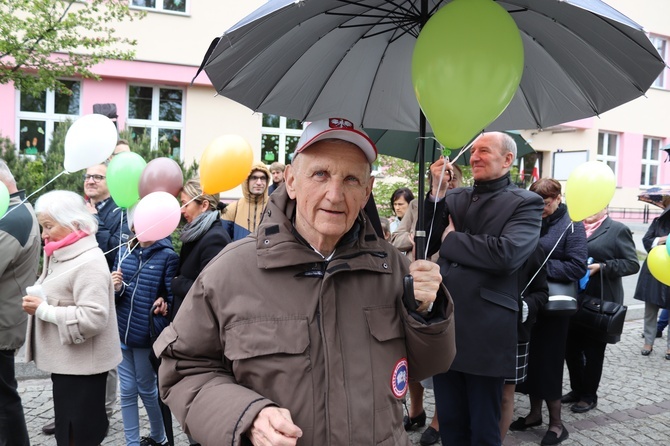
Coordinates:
column 270, row 322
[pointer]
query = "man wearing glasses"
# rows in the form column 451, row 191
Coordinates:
column 243, row 216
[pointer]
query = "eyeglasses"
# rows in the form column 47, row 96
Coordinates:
column 95, row 178
column 262, row 178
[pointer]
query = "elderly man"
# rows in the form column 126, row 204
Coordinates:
column 324, row 358
column 20, row 246
column 484, row 234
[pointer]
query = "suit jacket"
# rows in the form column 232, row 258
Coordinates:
column 612, row 245
column 497, row 228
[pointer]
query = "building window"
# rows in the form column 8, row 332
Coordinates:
column 161, row 5
column 650, row 161
column 156, row 112
column 279, row 136
column 661, row 45
column 608, row 149
column 38, row 116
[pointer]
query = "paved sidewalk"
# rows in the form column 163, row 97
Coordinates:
column 633, row 406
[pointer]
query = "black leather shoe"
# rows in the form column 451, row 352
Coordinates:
column 667, row 356
column 570, row 397
column 429, row 436
column 550, row 438
column 49, row 429
column 659, row 333
column 417, row 421
column 520, row 424
column 645, row 352
column 583, row 406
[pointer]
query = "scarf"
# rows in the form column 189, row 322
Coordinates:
column 591, row 227
column 197, row 228
column 72, row 237
column 553, row 218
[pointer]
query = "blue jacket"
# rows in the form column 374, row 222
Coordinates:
column 157, row 265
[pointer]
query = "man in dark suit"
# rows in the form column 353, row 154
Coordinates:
column 483, row 234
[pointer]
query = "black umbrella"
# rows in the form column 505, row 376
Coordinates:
column 316, row 59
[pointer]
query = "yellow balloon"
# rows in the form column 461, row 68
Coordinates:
column 658, row 262
column 589, row 189
column 225, row 163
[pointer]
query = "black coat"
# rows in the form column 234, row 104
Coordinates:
column 193, row 259
column 536, row 294
column 112, row 230
column 612, row 245
column 497, row 228
column 649, row 289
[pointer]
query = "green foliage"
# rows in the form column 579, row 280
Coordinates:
column 44, row 40
column 395, row 173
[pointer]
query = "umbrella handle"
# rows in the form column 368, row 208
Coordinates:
column 408, row 296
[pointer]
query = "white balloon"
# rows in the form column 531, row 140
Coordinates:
column 90, row 140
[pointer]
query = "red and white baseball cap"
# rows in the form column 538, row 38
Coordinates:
column 337, row 128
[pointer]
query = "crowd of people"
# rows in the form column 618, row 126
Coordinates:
column 356, row 321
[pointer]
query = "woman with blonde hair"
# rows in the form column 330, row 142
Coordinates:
column 72, row 325
column 203, row 237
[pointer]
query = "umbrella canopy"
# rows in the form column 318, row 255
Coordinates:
column 314, row 59
column 404, row 145
column 655, row 195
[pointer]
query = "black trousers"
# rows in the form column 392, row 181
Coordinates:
column 13, row 430
column 79, row 409
column 468, row 408
column 584, row 357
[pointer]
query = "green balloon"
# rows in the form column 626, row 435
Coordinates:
column 466, row 67
column 123, row 178
column 4, row 199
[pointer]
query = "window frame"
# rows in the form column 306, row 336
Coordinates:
column 648, row 162
column 282, row 132
column 49, row 116
column 154, row 124
column 603, row 157
column 661, row 44
column 161, row 9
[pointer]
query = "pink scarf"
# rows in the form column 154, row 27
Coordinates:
column 72, row 237
column 591, row 227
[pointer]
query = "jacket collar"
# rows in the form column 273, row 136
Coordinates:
column 481, row 187
column 76, row 249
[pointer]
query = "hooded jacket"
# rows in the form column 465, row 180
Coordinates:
column 271, row 322
column 148, row 273
column 20, row 246
column 244, row 216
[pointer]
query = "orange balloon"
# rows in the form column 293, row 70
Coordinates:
column 225, row 163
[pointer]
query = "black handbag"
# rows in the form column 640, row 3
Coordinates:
column 562, row 299
column 603, row 319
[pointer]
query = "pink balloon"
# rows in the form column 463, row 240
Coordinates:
column 156, row 216
column 161, row 174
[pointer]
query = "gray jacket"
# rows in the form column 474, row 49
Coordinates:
column 20, row 247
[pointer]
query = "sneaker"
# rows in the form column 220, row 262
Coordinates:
column 148, row 441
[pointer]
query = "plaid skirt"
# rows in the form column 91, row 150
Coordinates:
column 521, row 364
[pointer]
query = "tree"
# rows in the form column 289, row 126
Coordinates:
column 44, row 40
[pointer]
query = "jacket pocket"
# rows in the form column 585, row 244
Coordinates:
column 272, row 357
column 390, row 374
column 504, row 300
column 262, row 337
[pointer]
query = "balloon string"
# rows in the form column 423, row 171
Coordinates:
column 444, row 168
column 26, row 199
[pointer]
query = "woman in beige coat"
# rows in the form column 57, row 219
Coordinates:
column 72, row 329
